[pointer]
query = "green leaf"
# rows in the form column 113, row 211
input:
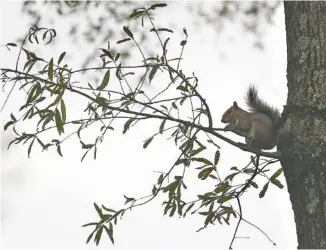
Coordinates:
column 212, row 142
column 217, row 157
column 30, row 148
column 61, row 57
column 162, row 126
column 8, row 124
column 41, row 143
column 59, row 150
column 63, row 111
column 129, row 199
column 203, row 174
column 171, row 187
column 90, row 224
column 225, row 198
column 185, row 31
column 158, row 5
column 181, row 161
column 89, row 238
column 160, row 179
column 277, row 183
column 203, row 213
column 254, row 184
column 188, row 209
column 231, row 176
column 209, row 217
column 249, row 171
column 127, row 31
column 98, row 235
column 152, row 73
column 222, row 187
column 117, row 56
column 36, row 39
column 109, row 231
column 137, row 14
column 197, row 151
column 123, row 40
column 183, row 43
column 263, row 191
column 201, row 166
column 58, row 122
column 56, row 141
column 161, row 29
column 182, row 88
column 107, row 53
column 147, row 142
column 277, row 173
column 165, row 43
column 203, row 160
column 174, row 208
column 100, row 100
column 105, row 81
column 86, row 146
column 95, row 152
column 98, row 210
column 11, row 44
column 40, row 99
column 50, row 70
column 127, row 125
column 48, row 119
column 34, row 93
column 108, row 209
column 154, row 190
column 165, row 29
column 84, row 156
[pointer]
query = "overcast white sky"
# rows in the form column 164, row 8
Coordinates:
column 46, row 199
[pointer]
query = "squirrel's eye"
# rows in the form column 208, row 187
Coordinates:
column 229, row 111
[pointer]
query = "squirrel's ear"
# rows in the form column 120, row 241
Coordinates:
column 235, row 105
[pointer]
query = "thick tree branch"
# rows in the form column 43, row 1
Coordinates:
column 209, row 130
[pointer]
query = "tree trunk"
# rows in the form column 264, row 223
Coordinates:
column 304, row 155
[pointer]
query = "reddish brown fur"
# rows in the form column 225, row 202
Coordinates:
column 257, row 128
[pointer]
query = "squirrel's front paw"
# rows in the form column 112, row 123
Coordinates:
column 228, row 126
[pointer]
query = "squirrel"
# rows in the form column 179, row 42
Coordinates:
column 258, row 126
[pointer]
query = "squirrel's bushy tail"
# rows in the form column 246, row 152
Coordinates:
column 257, row 105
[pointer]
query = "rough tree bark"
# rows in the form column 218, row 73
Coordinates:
column 304, row 161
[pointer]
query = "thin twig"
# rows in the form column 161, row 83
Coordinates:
column 259, row 230
column 238, row 200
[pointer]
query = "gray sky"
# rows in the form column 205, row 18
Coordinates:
column 46, row 199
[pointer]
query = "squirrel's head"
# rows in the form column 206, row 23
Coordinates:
column 231, row 113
